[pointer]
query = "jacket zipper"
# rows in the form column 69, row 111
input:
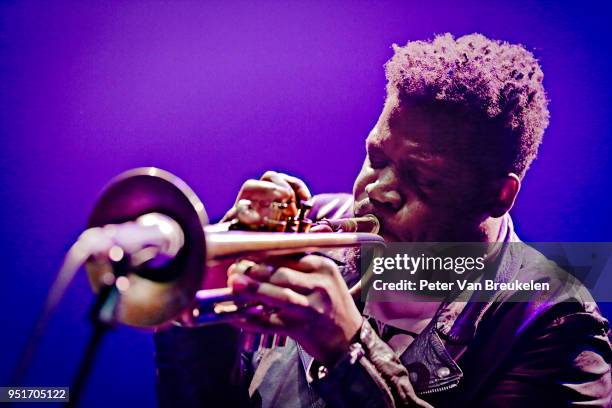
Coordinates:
column 440, row 389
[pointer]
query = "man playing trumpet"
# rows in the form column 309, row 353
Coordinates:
column 462, row 121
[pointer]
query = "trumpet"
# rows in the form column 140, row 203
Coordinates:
column 154, row 248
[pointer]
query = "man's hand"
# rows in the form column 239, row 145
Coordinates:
column 272, row 187
column 310, row 302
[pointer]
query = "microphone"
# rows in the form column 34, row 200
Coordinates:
column 152, row 241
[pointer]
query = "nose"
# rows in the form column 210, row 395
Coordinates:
column 383, row 190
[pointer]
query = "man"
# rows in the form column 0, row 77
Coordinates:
column 462, row 122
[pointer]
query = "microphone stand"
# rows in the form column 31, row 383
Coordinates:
column 102, row 318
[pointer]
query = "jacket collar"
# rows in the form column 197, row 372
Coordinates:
column 431, row 359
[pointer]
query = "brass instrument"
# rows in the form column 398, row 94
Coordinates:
column 169, row 275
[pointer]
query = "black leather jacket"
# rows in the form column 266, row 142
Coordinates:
column 551, row 351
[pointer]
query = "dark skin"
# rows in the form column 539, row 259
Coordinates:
column 415, row 180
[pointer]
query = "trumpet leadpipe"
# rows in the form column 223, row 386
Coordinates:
column 239, row 244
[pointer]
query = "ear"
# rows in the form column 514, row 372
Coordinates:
column 506, row 191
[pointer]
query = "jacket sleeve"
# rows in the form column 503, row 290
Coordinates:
column 371, row 375
column 565, row 362
column 201, row 367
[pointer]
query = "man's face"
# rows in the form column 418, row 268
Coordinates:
column 413, row 177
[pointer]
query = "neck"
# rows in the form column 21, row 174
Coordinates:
column 491, row 229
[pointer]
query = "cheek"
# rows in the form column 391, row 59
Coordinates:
column 420, row 222
column 414, row 213
column 414, row 219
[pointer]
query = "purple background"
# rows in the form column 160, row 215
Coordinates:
column 218, row 92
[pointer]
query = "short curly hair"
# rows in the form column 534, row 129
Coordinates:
column 497, row 82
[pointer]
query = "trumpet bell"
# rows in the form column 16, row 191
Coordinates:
column 152, row 296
